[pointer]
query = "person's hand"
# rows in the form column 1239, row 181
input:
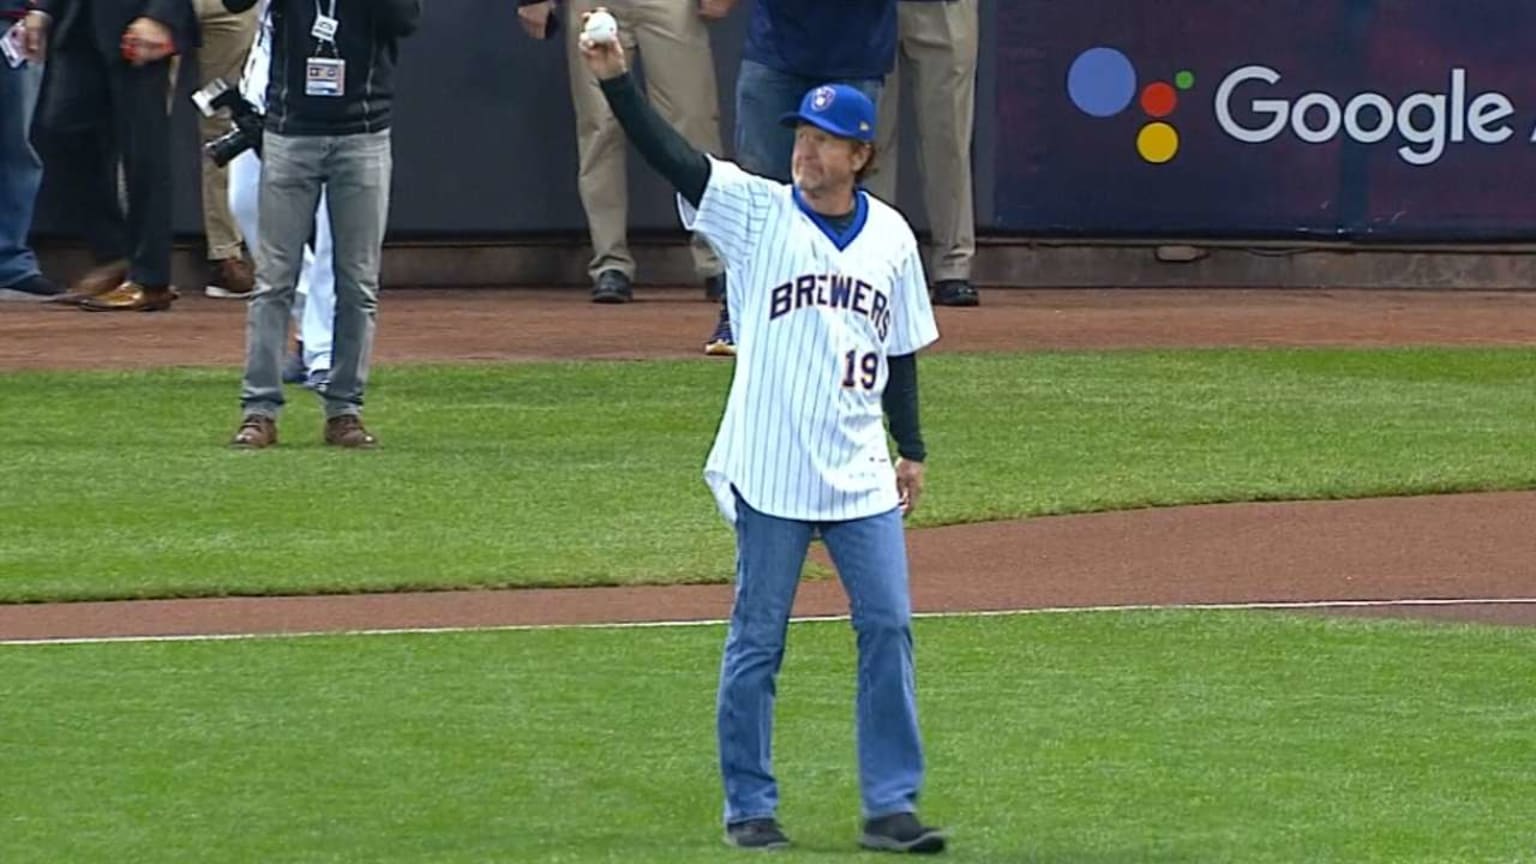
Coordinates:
column 36, row 30
column 535, row 18
column 715, row 9
column 909, row 483
column 146, row 41
column 605, row 60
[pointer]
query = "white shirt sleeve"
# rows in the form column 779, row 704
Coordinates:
column 912, row 324
column 731, row 214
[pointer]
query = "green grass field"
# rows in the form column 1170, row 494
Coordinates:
column 119, row 485
column 1094, row 738
column 1083, row 738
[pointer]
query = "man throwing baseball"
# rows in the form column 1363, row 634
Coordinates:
column 831, row 305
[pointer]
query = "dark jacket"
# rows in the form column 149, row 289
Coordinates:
column 367, row 39
column 102, row 22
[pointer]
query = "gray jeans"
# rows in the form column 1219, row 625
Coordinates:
column 355, row 172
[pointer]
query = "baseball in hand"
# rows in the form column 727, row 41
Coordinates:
column 600, row 27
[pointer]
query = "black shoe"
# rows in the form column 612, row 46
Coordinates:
column 714, row 288
column 33, row 287
column 901, row 832
column 955, row 292
column 612, row 287
column 756, row 834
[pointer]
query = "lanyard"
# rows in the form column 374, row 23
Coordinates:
column 325, row 29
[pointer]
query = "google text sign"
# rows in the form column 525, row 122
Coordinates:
column 1319, row 118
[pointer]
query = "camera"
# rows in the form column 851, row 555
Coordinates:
column 248, row 121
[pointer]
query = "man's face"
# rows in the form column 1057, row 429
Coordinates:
column 823, row 162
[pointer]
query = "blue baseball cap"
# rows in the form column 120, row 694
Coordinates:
column 836, row 108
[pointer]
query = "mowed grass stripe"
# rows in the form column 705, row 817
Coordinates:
column 119, row 485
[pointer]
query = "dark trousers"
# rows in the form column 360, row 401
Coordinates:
column 97, row 114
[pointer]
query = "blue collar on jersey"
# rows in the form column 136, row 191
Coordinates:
column 839, row 239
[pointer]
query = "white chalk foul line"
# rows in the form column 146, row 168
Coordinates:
column 714, row 622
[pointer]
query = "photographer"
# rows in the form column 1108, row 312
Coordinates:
column 224, row 45
column 327, row 128
column 238, row 148
column 110, row 81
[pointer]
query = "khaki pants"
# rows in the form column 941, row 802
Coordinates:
column 937, row 49
column 672, row 42
column 227, row 39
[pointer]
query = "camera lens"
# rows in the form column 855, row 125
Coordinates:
column 226, row 147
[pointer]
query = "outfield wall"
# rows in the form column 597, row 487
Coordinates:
column 1086, row 127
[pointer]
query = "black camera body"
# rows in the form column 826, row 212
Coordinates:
column 248, row 121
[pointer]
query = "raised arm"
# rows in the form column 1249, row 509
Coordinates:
column 663, row 148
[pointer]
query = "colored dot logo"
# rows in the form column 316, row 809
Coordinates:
column 1102, row 83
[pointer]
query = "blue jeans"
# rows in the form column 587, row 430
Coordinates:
column 21, row 172
column 871, row 559
column 763, row 95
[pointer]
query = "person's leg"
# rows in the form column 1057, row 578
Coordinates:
column 75, row 134
column 292, row 172
column 357, row 201
column 244, row 208
column 871, row 559
column 319, row 317
column 601, row 178
column 226, row 40
column 244, row 195
column 141, row 115
column 770, row 554
column 882, row 182
column 942, row 44
column 21, row 172
column 680, row 78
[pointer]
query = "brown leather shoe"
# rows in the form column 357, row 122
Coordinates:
column 347, row 431
column 98, row 281
column 230, row 279
column 255, row 433
column 132, row 297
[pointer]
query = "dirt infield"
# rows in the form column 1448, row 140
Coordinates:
column 1429, row 548
column 527, row 324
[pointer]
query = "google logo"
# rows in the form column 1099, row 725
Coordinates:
column 1102, row 83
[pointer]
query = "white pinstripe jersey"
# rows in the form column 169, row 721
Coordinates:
column 815, row 317
column 258, row 61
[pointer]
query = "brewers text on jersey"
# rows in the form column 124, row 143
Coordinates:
column 833, row 291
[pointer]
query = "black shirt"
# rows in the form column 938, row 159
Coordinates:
column 367, row 39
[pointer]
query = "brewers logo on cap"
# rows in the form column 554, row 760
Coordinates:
column 822, row 98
